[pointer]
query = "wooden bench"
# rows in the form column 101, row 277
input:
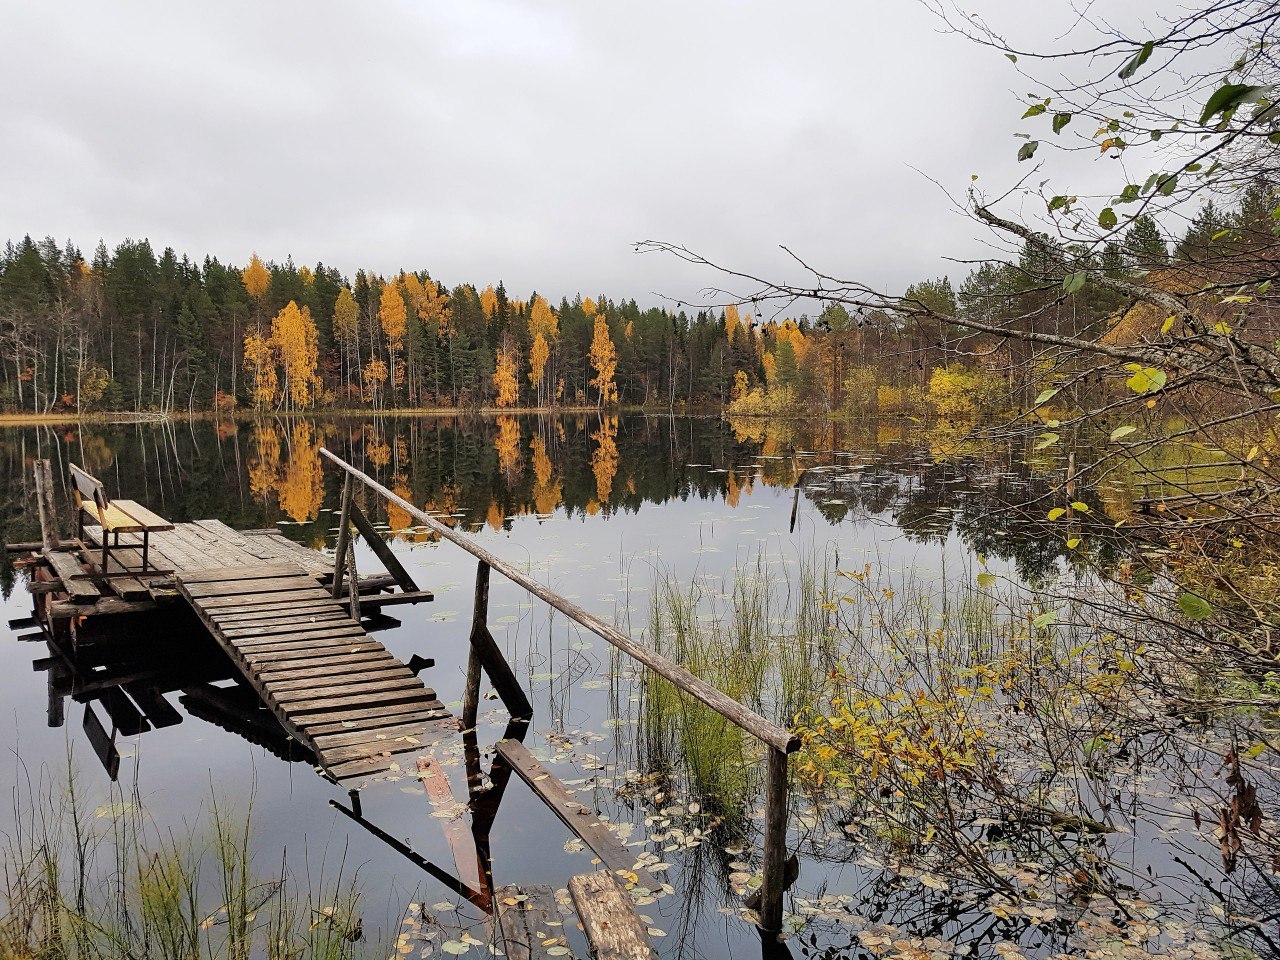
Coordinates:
column 114, row 516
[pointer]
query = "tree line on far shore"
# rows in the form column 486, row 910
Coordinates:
column 125, row 329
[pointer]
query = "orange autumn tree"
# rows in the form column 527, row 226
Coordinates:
column 395, row 321
column 604, row 359
column 505, row 379
column 297, row 343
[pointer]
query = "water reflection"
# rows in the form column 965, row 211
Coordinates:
column 487, row 471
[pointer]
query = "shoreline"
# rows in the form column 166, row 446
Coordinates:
column 132, row 417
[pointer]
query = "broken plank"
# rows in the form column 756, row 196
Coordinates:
column 72, row 573
column 609, row 919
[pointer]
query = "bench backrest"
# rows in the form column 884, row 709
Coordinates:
column 89, row 487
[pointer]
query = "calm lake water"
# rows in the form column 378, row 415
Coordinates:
column 602, row 509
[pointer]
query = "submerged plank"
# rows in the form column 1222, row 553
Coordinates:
column 571, row 811
column 609, row 919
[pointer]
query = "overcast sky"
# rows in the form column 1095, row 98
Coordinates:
column 530, row 142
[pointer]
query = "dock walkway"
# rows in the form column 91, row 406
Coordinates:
column 332, row 686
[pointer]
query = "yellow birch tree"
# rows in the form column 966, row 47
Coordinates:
column 604, row 358
column 260, row 369
column 505, row 379
column 298, row 344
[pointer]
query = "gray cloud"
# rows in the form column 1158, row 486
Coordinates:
column 503, row 139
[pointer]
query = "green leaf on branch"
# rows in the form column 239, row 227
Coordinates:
column 1107, row 218
column 1057, row 512
column 1034, row 110
column 1074, row 281
column 1229, row 96
column 1128, row 195
column 986, row 580
column 1193, row 607
column 1168, row 185
column 1137, row 60
column 1119, row 433
column 1079, row 506
column 1046, row 619
column 1073, row 542
column 1060, row 120
column 1046, row 440
column 1028, row 150
column 1045, row 396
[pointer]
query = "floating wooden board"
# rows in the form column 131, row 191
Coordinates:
column 572, row 812
column 609, row 919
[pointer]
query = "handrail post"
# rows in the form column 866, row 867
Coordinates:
column 775, row 843
column 344, row 535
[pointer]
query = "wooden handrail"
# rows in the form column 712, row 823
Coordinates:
column 764, row 730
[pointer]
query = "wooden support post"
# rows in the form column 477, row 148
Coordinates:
column 489, row 655
column 384, row 552
column 353, row 581
column 775, row 843
column 344, row 537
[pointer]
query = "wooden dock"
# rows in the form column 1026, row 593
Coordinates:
column 331, row 685
column 292, row 627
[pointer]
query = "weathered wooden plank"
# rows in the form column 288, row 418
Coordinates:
column 381, row 689
column 70, row 571
column 275, row 618
column 379, row 600
column 609, row 919
column 270, row 609
column 329, row 678
column 293, row 641
column 529, row 922
column 372, row 726
column 240, row 573
column 61, row 609
column 327, row 704
column 572, row 812
column 462, row 843
column 325, row 662
column 418, row 709
column 294, row 658
column 247, row 586
column 425, row 734
column 253, row 636
column 281, row 600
